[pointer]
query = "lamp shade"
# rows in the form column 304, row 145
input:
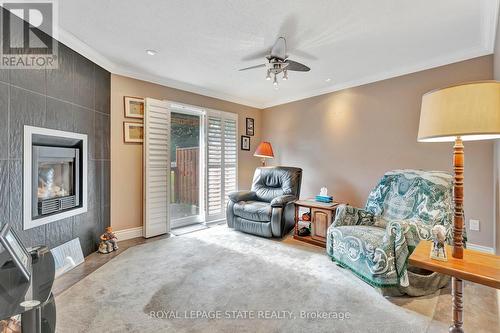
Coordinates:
column 469, row 110
column 264, row 150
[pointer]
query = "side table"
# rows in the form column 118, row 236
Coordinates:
column 475, row 266
column 322, row 215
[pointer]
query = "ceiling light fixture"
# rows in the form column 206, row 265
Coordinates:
column 328, row 80
column 268, row 76
column 285, row 75
column 277, row 62
column 151, row 52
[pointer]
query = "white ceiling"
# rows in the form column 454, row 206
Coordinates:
column 201, row 44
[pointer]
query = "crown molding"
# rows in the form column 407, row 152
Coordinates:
column 87, row 51
column 486, row 46
column 489, row 23
column 433, row 63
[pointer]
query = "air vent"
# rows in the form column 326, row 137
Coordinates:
column 50, row 206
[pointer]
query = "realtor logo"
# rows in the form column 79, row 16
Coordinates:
column 27, row 31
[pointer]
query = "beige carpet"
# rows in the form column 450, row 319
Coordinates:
column 220, row 280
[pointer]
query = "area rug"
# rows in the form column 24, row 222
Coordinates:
column 220, row 280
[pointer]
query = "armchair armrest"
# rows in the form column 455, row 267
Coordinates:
column 242, row 196
column 282, row 200
column 347, row 215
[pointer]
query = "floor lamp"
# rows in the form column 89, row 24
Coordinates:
column 465, row 112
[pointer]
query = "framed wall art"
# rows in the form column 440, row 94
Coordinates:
column 134, row 107
column 133, row 132
column 250, row 123
column 245, row 142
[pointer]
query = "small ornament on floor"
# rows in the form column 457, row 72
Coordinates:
column 11, row 325
column 109, row 242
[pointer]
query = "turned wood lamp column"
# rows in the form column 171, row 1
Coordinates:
column 457, row 285
column 458, row 197
column 464, row 112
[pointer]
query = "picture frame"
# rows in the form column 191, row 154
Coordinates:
column 245, row 142
column 133, row 132
column 250, row 126
column 18, row 252
column 134, row 107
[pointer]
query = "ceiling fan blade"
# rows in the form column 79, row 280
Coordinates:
column 256, row 55
column 296, row 66
column 279, row 49
column 252, row 67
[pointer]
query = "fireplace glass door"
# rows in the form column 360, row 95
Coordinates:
column 56, row 179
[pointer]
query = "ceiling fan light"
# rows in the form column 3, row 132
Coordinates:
column 268, row 76
column 275, row 81
column 285, row 75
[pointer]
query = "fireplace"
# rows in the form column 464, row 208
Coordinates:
column 56, row 179
column 55, row 175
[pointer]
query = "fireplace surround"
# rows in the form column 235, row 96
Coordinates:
column 55, row 175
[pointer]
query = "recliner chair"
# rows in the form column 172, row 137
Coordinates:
column 266, row 210
column 375, row 242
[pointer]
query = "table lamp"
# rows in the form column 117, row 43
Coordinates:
column 264, row 150
column 464, row 112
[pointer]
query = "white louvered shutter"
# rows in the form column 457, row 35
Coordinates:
column 222, row 161
column 230, row 156
column 156, row 167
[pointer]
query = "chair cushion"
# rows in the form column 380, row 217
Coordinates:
column 362, row 237
column 271, row 182
column 361, row 249
column 253, row 210
column 413, row 194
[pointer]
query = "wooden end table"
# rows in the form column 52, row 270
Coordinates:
column 475, row 266
column 322, row 215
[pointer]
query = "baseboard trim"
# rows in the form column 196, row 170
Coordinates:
column 128, row 233
column 481, row 248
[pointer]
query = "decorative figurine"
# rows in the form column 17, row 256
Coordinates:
column 438, row 251
column 11, row 325
column 109, row 242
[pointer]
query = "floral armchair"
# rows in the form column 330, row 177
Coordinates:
column 375, row 242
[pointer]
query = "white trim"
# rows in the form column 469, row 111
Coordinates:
column 432, row 63
column 490, row 11
column 481, row 248
column 29, row 131
column 489, row 23
column 128, row 233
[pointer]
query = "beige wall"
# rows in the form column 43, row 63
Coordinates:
column 346, row 140
column 126, row 165
column 496, row 69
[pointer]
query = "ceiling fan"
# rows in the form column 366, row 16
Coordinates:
column 278, row 62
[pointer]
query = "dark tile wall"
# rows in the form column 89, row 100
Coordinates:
column 75, row 97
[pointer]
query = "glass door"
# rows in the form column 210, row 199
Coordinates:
column 186, row 185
